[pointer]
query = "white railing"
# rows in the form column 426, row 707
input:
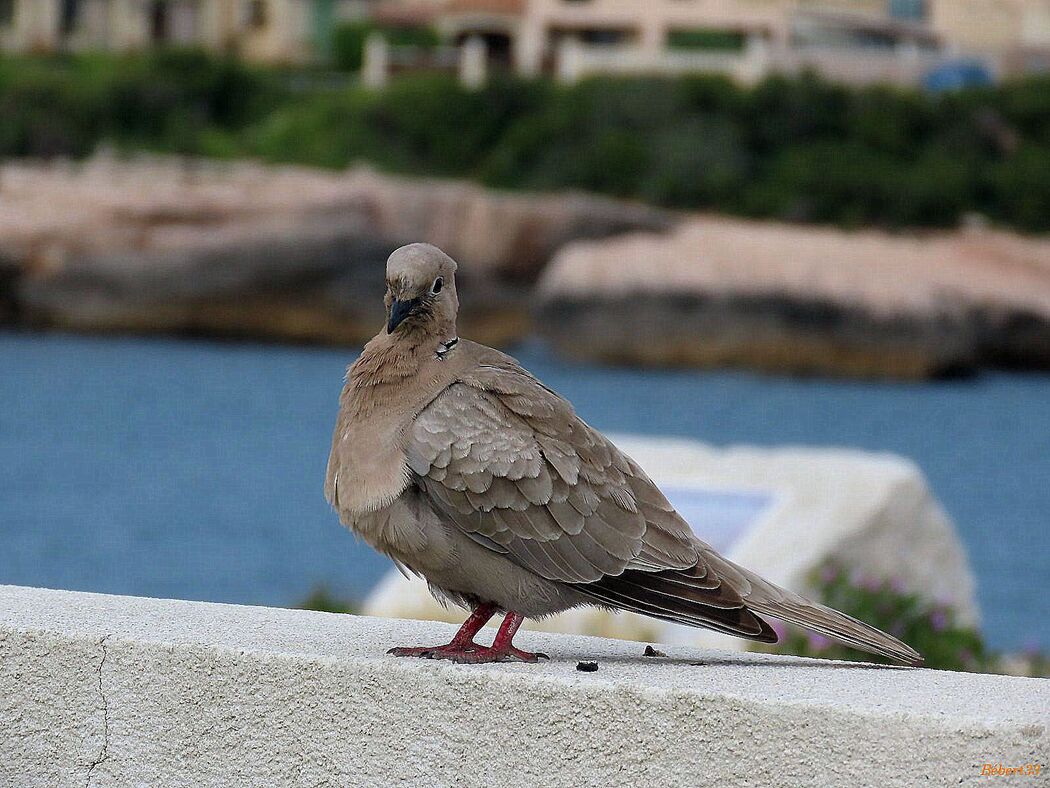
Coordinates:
column 902, row 66
column 905, row 65
column 468, row 61
column 576, row 61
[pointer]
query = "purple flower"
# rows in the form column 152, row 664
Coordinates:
column 829, row 574
column 939, row 620
column 898, row 587
column 779, row 628
column 817, row 642
column 871, row 583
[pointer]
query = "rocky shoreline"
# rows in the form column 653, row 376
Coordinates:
column 769, row 333
column 159, row 245
column 721, row 292
column 241, row 250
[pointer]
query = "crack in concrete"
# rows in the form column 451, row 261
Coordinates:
column 104, row 752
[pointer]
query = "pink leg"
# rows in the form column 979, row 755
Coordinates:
column 503, row 648
column 462, row 642
column 462, row 647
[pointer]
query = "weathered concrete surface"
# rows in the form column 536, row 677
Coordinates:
column 720, row 292
column 872, row 514
column 119, row 691
column 163, row 245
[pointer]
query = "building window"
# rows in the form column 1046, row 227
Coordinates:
column 592, row 36
column 258, row 14
column 706, row 39
column 7, row 13
column 159, row 21
column 68, row 17
column 605, row 36
column 835, row 34
column 911, row 10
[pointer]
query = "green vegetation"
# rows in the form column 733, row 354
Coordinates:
column 799, row 149
column 176, row 102
column 348, row 41
column 326, row 602
column 706, row 38
column 929, row 628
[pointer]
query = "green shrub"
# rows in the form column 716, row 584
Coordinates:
column 324, row 601
column 348, row 41
column 166, row 100
column 796, row 149
column 1019, row 189
column 706, row 39
column 851, row 184
column 47, row 110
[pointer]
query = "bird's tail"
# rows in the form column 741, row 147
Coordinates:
column 763, row 597
column 838, row 626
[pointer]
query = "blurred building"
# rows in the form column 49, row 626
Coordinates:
column 498, row 23
column 268, row 30
column 991, row 26
column 1014, row 33
column 849, row 40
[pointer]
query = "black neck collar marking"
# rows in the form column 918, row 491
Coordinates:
column 446, row 346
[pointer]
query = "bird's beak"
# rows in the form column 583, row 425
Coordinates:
column 399, row 310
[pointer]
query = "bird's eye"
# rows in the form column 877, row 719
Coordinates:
column 438, row 284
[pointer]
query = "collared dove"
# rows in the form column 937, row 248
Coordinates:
column 463, row 468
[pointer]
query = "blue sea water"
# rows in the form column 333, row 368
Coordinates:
column 193, row 469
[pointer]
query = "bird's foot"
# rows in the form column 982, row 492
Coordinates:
column 470, row 654
column 517, row 655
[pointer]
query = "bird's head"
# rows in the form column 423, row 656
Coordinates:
column 420, row 289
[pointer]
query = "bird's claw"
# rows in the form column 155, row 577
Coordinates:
column 471, row 654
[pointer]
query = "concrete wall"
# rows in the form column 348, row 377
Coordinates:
column 32, row 28
column 119, row 691
column 646, row 24
column 905, row 66
column 992, row 25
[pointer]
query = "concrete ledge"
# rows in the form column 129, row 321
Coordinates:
column 115, row 691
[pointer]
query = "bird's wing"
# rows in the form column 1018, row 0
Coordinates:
column 509, row 462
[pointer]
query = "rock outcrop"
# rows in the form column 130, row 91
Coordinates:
column 163, row 245
column 723, row 292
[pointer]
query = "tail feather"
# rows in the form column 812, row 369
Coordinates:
column 772, row 600
column 720, row 609
column 728, row 598
column 838, row 626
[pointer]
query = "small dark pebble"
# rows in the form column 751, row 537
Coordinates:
column 652, row 652
column 587, row 667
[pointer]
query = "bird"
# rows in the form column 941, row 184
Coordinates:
column 462, row 467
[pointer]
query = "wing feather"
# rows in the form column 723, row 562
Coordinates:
column 509, row 463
